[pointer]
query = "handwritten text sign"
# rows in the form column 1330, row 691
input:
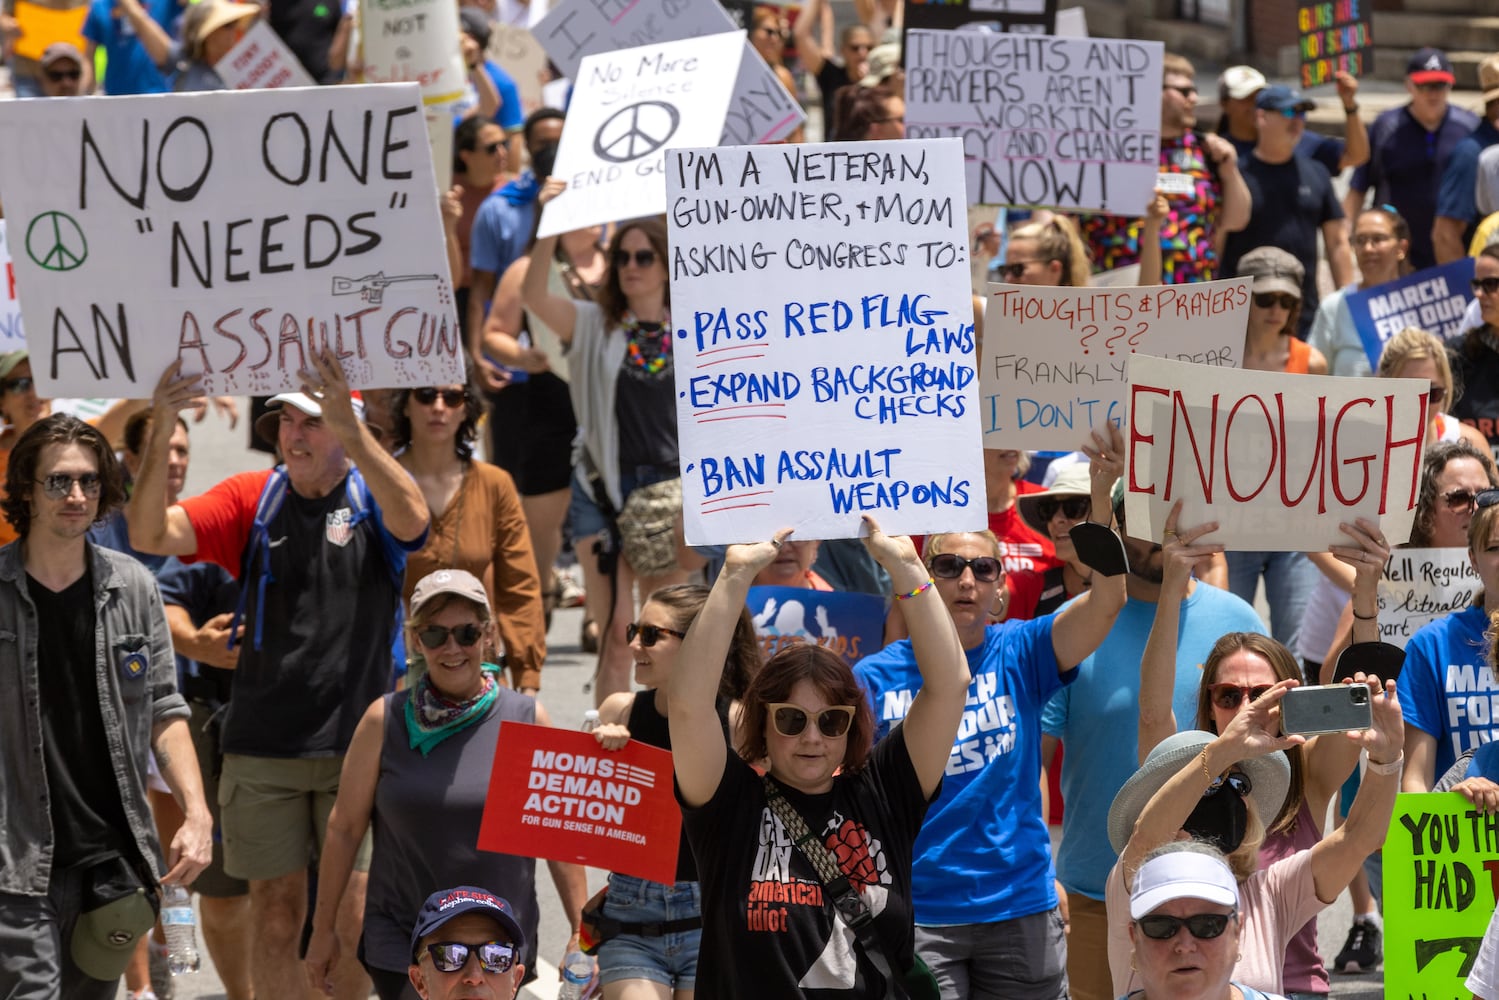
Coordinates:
column 1277, row 460
column 1434, row 299
column 629, row 108
column 1420, row 586
column 1441, row 869
column 760, row 111
column 518, row 53
column 825, row 344
column 1073, row 123
column 261, row 61
column 12, row 335
column 851, row 625
column 1054, row 363
column 555, row 793
column 1336, row 36
column 1020, row 16
column 413, row 41
column 237, row 231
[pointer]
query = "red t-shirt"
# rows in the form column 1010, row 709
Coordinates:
column 222, row 519
column 1023, row 547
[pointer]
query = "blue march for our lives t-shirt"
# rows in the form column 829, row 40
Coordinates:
column 989, row 810
column 128, row 68
column 1446, row 688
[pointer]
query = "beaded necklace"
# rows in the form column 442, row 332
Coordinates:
column 647, row 350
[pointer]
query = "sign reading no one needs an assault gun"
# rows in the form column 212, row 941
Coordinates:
column 238, row 231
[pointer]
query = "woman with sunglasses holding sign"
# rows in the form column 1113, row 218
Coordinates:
column 791, row 863
column 1478, row 353
column 416, row 775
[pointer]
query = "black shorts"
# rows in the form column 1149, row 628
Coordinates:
column 531, row 431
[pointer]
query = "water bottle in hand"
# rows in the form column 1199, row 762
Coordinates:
column 180, row 927
column 577, row 973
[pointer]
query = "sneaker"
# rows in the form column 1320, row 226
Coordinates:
column 161, row 975
column 1361, row 952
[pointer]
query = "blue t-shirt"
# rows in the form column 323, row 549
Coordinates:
column 204, row 590
column 1458, row 198
column 984, row 854
column 1097, row 718
column 114, row 533
column 129, row 69
column 510, row 115
column 502, row 229
column 1446, row 689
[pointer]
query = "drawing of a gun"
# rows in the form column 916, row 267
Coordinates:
column 1426, row 951
column 371, row 287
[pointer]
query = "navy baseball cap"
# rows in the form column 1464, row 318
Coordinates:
column 446, row 904
column 1279, row 97
column 1430, row 65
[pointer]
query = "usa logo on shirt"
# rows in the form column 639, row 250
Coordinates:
column 340, row 528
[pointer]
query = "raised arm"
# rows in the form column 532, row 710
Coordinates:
column 1233, row 213
column 811, row 54
column 155, row 527
column 556, row 311
column 1151, row 267
column 506, row 317
column 1083, row 625
column 156, row 42
column 1355, row 134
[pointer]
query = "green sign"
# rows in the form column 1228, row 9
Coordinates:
column 1441, row 867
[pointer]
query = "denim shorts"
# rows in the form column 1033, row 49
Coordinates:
column 670, row 959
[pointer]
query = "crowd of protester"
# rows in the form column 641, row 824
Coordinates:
column 337, row 640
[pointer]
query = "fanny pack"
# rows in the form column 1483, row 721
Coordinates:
column 595, row 928
column 646, row 525
column 117, row 911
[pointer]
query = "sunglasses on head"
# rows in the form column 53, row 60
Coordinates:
column 451, row 398
column 642, row 258
column 1269, row 300
column 1203, row 926
column 59, row 486
column 1231, row 696
column 1072, row 508
column 986, row 569
column 1487, row 286
column 452, row 956
column 18, row 384
column 649, row 634
column 59, row 75
column 436, row 636
column 1486, row 499
column 790, row 719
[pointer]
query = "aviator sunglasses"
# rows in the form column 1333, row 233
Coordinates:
column 1203, row 926
column 436, row 636
column 452, row 956
column 59, row 487
column 649, row 634
column 986, row 569
column 790, row 719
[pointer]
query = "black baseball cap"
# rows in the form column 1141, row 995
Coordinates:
column 446, row 904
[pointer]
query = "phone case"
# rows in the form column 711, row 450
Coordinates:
column 1331, row 708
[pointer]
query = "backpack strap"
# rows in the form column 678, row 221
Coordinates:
column 272, row 499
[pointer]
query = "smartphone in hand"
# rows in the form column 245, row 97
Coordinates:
column 1328, row 708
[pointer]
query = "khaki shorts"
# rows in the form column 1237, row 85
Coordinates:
column 275, row 814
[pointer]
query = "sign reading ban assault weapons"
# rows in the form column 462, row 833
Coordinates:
column 238, row 231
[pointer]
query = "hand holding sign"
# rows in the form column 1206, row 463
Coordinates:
column 1367, row 555
column 174, row 393
column 749, row 558
column 326, row 384
column 1184, row 553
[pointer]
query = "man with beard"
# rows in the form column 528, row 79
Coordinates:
column 1097, row 718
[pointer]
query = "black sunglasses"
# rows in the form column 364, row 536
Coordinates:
column 1269, row 300
column 790, row 719
column 436, row 636
column 58, row 76
column 452, row 398
column 1186, row 91
column 18, row 384
column 1015, row 269
column 642, row 258
column 1231, row 696
column 1203, row 926
column 493, row 148
column 59, row 486
column 452, row 956
column 986, row 569
column 1487, row 286
column 1486, row 499
column 1237, row 783
column 649, row 634
column 1073, row 508
column 1461, row 499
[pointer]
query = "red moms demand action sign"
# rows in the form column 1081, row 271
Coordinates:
column 555, row 793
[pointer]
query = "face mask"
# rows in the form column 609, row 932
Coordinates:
column 1220, row 818
column 543, row 159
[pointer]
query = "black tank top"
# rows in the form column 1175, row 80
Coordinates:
column 649, row 726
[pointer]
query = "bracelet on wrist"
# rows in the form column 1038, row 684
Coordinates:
column 1366, row 618
column 1205, row 772
column 1393, row 767
column 919, row 590
column 1351, row 111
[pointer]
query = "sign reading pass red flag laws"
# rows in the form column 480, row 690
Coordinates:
column 555, row 793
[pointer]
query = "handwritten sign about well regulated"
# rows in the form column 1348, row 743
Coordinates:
column 1072, row 123
column 12, row 333
column 850, row 624
column 1277, row 460
column 261, row 61
column 238, row 231
column 630, row 107
column 1433, row 299
column 1441, row 871
column 1055, row 360
column 1420, row 586
column 760, row 111
column 555, row 793
column 825, row 345
column 1334, row 36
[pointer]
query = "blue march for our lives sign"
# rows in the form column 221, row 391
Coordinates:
column 851, row 625
column 1433, row 300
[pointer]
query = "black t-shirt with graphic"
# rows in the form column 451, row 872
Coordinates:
column 768, row 931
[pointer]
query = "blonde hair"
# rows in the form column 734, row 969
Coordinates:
column 1059, row 239
column 1415, row 344
column 1176, row 65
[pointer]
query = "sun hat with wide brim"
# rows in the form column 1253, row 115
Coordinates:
column 1269, row 778
column 1072, row 481
column 220, row 13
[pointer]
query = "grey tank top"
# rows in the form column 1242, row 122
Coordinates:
column 426, row 826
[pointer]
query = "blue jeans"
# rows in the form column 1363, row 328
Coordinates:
column 1289, row 579
column 670, row 959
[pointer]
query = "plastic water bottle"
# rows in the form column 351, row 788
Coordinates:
column 179, row 925
column 590, row 722
column 577, row 971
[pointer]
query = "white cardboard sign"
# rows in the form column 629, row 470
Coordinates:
column 413, row 41
column 235, row 230
column 518, row 53
column 629, row 108
column 1277, row 460
column 1073, row 123
column 12, row 333
column 761, row 109
column 261, row 61
column 825, row 346
column 1055, row 360
column 1421, row 585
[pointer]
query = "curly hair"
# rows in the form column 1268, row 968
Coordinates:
column 1438, row 456
column 683, row 601
column 21, row 475
column 468, row 429
column 830, row 675
column 611, row 298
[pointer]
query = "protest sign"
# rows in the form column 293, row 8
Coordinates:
column 761, row 110
column 43, row 26
column 1441, row 873
column 12, row 334
column 851, row 625
column 413, row 41
column 1054, row 363
column 235, row 230
column 518, row 53
column 629, row 108
column 1016, row 16
column 555, row 793
column 825, row 344
column 1277, row 460
column 1336, row 36
column 261, row 61
column 1420, row 586
column 1072, row 22
column 1071, row 123
column 1433, row 299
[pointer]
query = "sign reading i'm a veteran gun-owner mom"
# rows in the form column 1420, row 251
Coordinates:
column 237, row 231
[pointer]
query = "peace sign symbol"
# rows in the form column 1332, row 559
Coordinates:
column 55, row 242
column 636, row 131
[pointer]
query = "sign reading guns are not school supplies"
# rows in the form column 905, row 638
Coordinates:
column 629, row 108
column 1277, row 460
column 555, row 793
column 1433, row 299
column 1336, row 36
column 824, row 352
column 1072, row 123
column 1441, row 873
column 1420, row 586
column 239, row 231
column 1055, row 361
